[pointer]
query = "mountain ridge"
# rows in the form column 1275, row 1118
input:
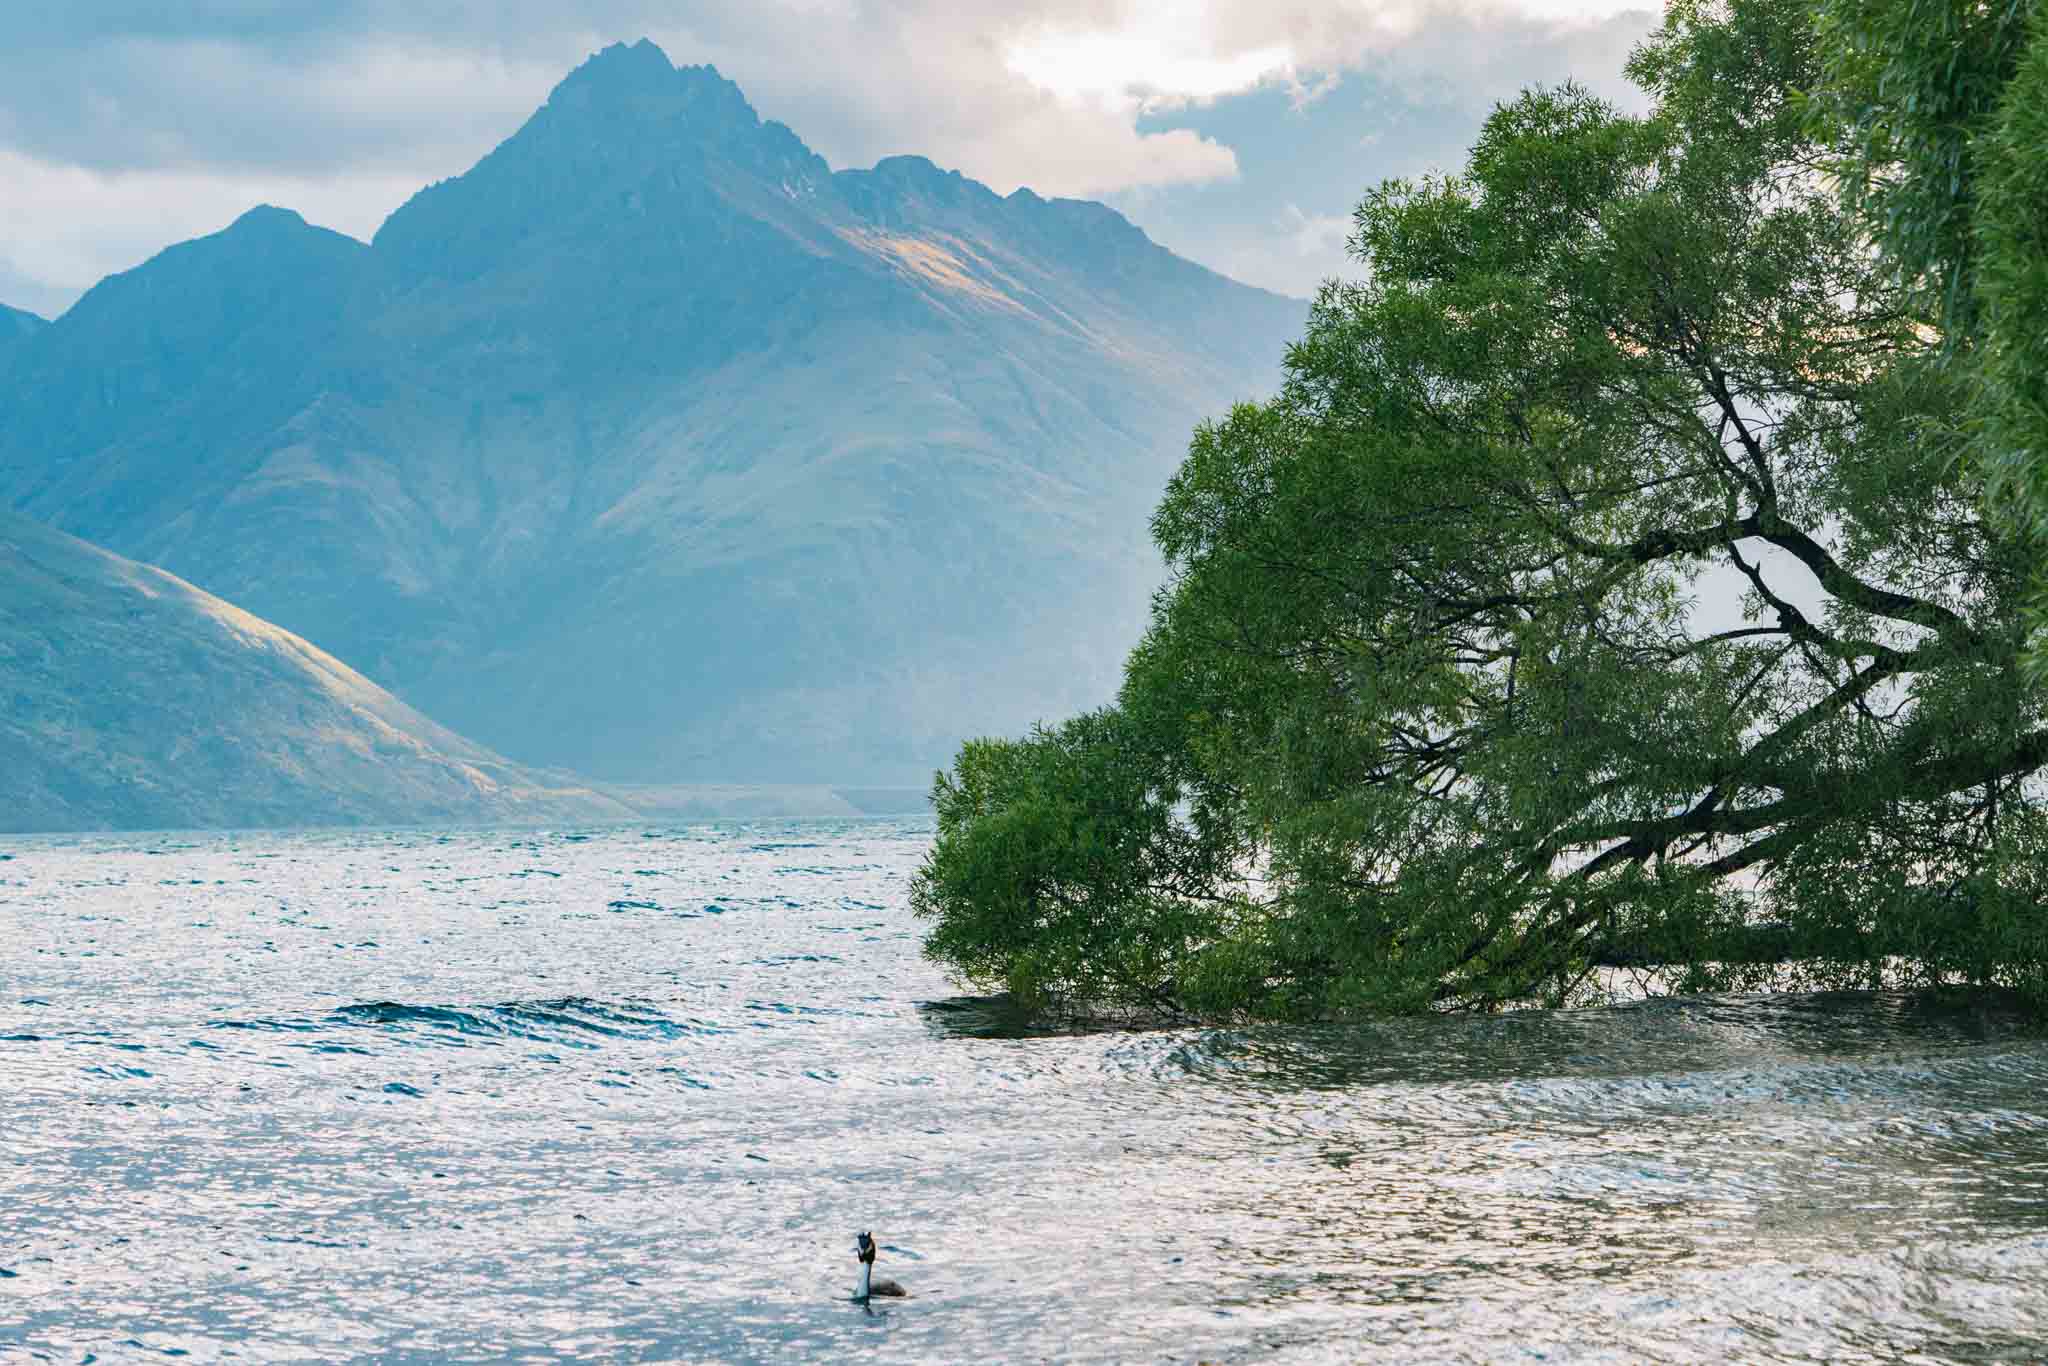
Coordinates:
column 141, row 702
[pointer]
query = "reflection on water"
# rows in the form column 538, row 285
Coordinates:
column 628, row 1094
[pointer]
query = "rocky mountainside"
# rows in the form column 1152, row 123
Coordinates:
column 653, row 447
column 135, row 701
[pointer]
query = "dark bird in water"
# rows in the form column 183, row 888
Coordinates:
column 865, row 1249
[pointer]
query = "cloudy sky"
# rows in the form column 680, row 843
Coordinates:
column 1238, row 132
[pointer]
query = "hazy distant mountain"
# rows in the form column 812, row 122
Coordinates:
column 16, row 327
column 653, row 447
column 136, row 701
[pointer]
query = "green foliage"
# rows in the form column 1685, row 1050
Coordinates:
column 2011, row 241
column 1907, row 89
column 1446, row 702
column 1937, row 116
column 1066, row 873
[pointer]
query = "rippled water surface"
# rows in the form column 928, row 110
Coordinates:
column 629, row 1094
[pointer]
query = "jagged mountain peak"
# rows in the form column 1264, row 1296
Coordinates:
column 650, row 164
column 901, row 191
column 640, row 82
column 619, row 64
column 913, row 193
column 918, row 170
column 621, row 73
column 625, row 133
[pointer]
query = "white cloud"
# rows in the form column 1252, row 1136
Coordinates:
column 1134, row 55
column 1117, row 69
column 1317, row 235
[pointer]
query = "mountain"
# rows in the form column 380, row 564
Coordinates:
column 655, row 448
column 136, row 701
column 16, row 322
column 16, row 327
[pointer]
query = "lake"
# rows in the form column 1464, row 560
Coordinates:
column 628, row 1094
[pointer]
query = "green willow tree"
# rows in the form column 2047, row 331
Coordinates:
column 1601, row 589
column 1938, row 112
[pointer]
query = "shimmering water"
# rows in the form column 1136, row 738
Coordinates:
column 629, row 1094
